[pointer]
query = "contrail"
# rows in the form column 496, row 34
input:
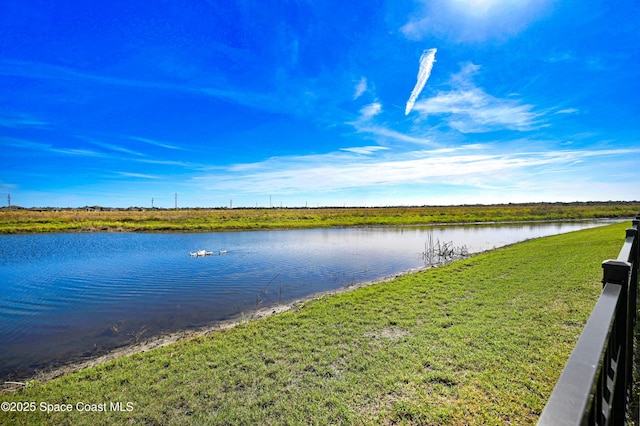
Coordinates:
column 426, row 63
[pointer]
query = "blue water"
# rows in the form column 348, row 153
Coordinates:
column 66, row 297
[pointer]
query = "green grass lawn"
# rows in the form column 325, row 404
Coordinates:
column 480, row 341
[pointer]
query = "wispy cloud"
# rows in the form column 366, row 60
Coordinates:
column 138, row 175
column 48, row 148
column 469, row 109
column 48, row 72
column 368, row 124
column 360, row 88
column 568, row 111
column 415, row 29
column 113, row 147
column 369, row 111
column 44, row 71
column 474, row 111
column 79, row 152
column 564, row 56
column 22, row 121
column 8, row 186
column 427, row 59
column 390, row 135
column 472, row 166
column 153, row 142
column 365, row 150
column 171, row 163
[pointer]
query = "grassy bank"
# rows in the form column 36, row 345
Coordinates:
column 26, row 221
column 480, row 341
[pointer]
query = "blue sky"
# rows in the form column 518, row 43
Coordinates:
column 295, row 103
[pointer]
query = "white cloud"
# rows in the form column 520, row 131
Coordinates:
column 286, row 100
column 48, row 148
column 561, row 57
column 393, row 135
column 369, row 111
column 474, row 111
column 568, row 111
column 138, row 175
column 22, row 121
column 360, row 88
column 365, row 150
column 113, row 147
column 171, row 163
column 79, row 152
column 474, row 165
column 8, row 186
column 427, row 59
column 153, row 142
column 365, row 123
column 464, row 78
column 469, row 109
column 416, row 29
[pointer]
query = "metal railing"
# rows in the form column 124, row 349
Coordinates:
column 595, row 385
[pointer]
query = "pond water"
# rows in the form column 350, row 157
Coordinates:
column 66, row 297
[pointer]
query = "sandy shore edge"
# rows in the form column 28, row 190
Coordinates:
column 168, row 339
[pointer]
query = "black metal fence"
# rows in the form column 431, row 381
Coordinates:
column 596, row 383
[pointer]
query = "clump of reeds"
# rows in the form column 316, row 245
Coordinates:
column 437, row 253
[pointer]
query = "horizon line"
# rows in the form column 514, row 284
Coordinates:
column 527, row 203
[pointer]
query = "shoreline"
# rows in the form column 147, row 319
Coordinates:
column 162, row 340
column 299, row 228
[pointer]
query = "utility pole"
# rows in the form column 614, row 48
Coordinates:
column 9, row 200
column 152, row 203
column 230, row 204
column 176, row 201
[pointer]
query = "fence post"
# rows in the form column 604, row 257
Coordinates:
column 619, row 272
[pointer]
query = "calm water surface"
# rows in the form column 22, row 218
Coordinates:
column 65, row 297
